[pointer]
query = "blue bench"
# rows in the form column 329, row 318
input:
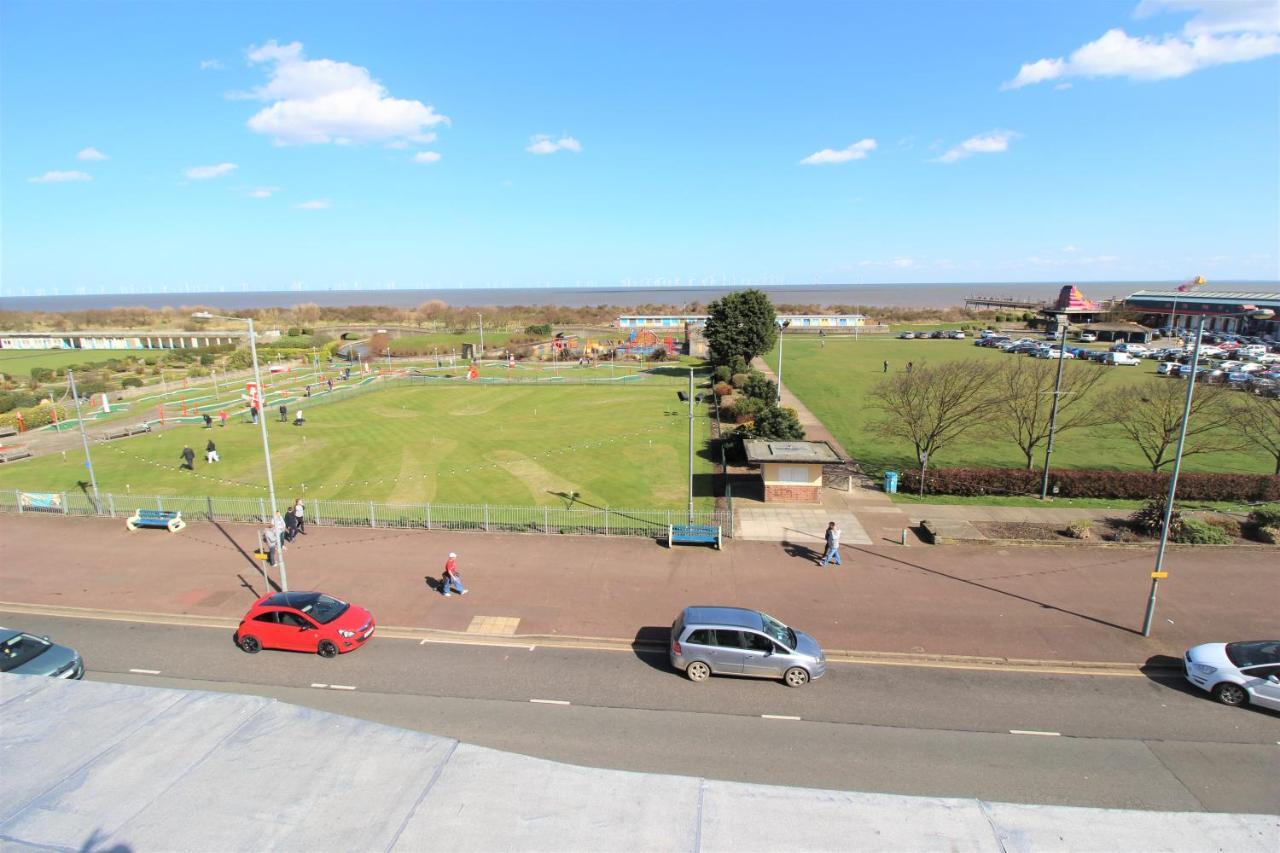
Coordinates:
column 170, row 520
column 699, row 533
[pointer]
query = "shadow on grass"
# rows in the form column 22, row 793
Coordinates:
column 1006, row 593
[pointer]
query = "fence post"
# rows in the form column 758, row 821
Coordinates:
column 546, row 520
column 606, row 522
column 209, row 502
column 428, row 516
column 486, row 518
column 159, row 503
column 318, row 522
column 373, row 521
column 111, row 504
column 17, row 497
column 66, row 510
column 262, row 510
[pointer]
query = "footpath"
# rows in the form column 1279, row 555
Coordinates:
column 1046, row 604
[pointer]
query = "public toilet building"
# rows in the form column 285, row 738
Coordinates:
column 791, row 470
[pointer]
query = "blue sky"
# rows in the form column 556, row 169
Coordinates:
column 149, row 146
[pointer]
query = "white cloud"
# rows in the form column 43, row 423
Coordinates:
column 1069, row 248
column 91, row 154
column 204, row 173
column 992, row 142
column 60, row 177
column 426, row 157
column 211, row 65
column 1220, row 32
column 827, row 156
column 318, row 101
column 899, row 263
column 544, row 144
column 263, row 192
column 314, row 204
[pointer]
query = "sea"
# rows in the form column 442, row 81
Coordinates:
column 925, row 295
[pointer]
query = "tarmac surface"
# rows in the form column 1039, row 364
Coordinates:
column 1055, row 604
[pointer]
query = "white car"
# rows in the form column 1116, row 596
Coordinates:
column 1131, row 349
column 1087, row 337
column 1237, row 673
column 1119, row 358
column 1168, row 368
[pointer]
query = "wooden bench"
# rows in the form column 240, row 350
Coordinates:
column 170, row 520
column 700, row 533
column 6, row 432
column 126, row 431
column 14, row 455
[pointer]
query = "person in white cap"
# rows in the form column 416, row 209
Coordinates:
column 451, row 580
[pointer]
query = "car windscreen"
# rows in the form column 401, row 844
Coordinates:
column 1254, row 654
column 778, row 631
column 20, row 649
column 325, row 609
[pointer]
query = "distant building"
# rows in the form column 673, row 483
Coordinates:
column 1167, row 309
column 126, row 340
column 815, row 322
column 1071, row 309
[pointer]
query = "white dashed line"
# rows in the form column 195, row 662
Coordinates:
column 1029, row 732
column 321, row 686
column 340, row 687
column 146, row 671
column 777, row 717
column 550, row 701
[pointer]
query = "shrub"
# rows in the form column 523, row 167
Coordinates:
column 1120, row 534
column 1265, row 516
column 777, row 424
column 131, row 382
column 1195, row 532
column 206, row 359
column 723, row 373
column 1129, row 485
column 41, row 374
column 1226, row 524
column 747, row 408
column 739, row 380
column 538, row 330
column 1081, row 530
column 723, row 389
column 738, row 364
column 659, row 354
column 34, row 416
column 1150, row 519
column 761, row 387
column 294, row 331
column 1269, row 535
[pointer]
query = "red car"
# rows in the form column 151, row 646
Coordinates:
column 304, row 622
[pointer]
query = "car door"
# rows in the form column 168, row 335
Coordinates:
column 1263, row 686
column 298, row 632
column 728, row 651
column 270, row 633
column 760, row 657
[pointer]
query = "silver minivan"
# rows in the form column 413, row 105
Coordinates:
column 736, row 641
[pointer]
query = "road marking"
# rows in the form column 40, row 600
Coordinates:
column 146, row 671
column 321, row 686
column 340, row 687
column 778, row 717
column 550, row 701
column 462, row 642
column 1031, row 732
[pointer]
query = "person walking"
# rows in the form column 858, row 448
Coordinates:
column 886, row 367
column 910, row 366
column 284, row 413
column 208, row 421
column 451, row 579
column 271, row 541
column 278, row 525
column 297, row 418
column 290, row 525
column 222, row 417
column 833, row 545
column 253, row 413
column 188, row 458
column 211, row 452
column 299, row 512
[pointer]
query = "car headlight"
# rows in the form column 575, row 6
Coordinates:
column 345, row 633
column 1204, row 668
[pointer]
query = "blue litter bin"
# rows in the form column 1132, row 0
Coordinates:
column 891, row 482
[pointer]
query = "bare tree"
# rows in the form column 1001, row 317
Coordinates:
column 933, row 406
column 1259, row 419
column 1151, row 416
column 1023, row 389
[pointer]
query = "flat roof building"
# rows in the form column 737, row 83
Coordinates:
column 1180, row 309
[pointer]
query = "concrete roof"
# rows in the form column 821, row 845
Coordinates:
column 808, row 452
column 102, row 766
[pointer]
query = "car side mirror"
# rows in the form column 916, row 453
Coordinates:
column 1275, row 679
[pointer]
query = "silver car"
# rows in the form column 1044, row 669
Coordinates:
column 1237, row 673
column 737, row 641
column 28, row 654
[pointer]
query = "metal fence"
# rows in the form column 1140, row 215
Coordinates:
column 599, row 521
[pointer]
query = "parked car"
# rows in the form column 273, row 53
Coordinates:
column 957, row 335
column 1087, row 337
column 1169, row 368
column 1117, row 359
column 906, row 336
column 938, row 335
column 304, row 622
column 1131, row 349
column 709, row 641
column 31, row 654
column 1237, row 673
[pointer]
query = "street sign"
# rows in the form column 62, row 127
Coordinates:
column 1159, row 575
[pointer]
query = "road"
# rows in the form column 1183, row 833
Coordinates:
column 1111, row 741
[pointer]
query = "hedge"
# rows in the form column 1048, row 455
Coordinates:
column 35, row 416
column 1133, row 485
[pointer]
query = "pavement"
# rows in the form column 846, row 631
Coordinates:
column 91, row 766
column 1022, row 603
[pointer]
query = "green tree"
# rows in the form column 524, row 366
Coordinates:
column 741, row 325
column 761, row 387
column 775, row 423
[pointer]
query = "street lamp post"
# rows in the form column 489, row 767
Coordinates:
column 1053, row 413
column 481, row 316
column 691, row 445
column 88, row 460
column 262, row 422
column 1249, row 311
column 782, row 325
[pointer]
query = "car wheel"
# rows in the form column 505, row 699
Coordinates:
column 249, row 644
column 327, row 649
column 1230, row 694
column 796, row 677
column 698, row 671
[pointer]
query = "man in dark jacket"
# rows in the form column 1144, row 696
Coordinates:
column 188, row 458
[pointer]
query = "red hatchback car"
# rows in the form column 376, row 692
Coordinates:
column 304, row 622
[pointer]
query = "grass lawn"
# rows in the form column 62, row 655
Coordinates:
column 513, row 445
column 834, row 382
column 447, row 340
column 18, row 363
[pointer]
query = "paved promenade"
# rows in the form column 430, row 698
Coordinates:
column 1064, row 604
